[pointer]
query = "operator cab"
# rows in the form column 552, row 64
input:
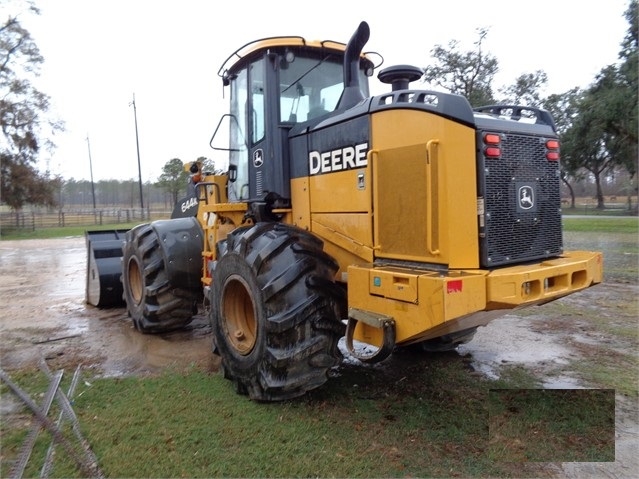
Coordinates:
column 283, row 82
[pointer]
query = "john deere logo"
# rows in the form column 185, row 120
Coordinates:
column 526, row 197
column 258, row 158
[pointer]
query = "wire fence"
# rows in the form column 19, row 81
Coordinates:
column 32, row 220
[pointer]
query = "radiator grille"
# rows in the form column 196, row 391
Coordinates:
column 521, row 218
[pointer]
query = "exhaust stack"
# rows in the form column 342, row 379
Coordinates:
column 352, row 93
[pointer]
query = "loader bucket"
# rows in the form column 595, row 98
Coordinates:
column 104, row 268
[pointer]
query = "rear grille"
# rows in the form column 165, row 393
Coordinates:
column 521, row 218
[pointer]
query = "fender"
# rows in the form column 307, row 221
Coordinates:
column 181, row 241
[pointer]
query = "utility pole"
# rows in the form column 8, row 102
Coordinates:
column 137, row 144
column 91, row 170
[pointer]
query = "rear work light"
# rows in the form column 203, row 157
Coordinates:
column 552, row 150
column 492, row 143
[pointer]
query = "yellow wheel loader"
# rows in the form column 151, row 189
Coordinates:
column 391, row 220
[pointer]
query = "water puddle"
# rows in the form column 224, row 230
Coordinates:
column 510, row 340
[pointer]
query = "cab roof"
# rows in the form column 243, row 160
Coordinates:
column 290, row 41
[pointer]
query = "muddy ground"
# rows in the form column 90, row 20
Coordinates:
column 44, row 315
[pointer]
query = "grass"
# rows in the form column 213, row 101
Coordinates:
column 516, row 376
column 365, row 422
column 15, row 431
column 60, row 232
column 560, row 425
column 621, row 326
column 594, row 224
column 585, row 210
column 606, row 339
column 438, row 418
column 617, row 238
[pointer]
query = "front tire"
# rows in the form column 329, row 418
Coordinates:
column 153, row 303
column 274, row 312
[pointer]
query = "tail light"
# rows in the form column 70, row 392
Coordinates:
column 552, row 150
column 492, row 145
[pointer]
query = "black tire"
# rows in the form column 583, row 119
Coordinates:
column 274, row 312
column 153, row 304
column 447, row 342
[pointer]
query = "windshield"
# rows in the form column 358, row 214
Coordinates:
column 311, row 86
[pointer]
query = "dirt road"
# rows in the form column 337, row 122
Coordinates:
column 44, row 315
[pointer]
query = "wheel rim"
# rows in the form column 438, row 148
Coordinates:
column 136, row 283
column 238, row 314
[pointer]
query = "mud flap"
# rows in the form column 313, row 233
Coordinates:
column 104, row 268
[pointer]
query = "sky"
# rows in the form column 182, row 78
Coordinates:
column 101, row 54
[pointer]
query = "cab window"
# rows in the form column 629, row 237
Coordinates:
column 309, row 87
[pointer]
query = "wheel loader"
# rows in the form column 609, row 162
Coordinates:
column 403, row 218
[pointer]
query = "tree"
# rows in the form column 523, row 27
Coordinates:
column 526, row 89
column 469, row 74
column 208, row 165
column 564, row 108
column 618, row 87
column 615, row 101
column 603, row 133
column 587, row 143
column 173, row 178
column 23, row 120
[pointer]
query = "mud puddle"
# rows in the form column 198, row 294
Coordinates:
column 42, row 288
column 510, row 341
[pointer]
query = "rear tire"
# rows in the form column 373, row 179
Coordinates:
column 153, row 304
column 274, row 312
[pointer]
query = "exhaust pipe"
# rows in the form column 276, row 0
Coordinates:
column 352, row 93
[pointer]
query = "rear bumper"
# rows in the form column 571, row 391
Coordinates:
column 546, row 281
column 425, row 304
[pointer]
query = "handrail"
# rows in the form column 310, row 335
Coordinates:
column 431, row 157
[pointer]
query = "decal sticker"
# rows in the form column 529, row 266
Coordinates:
column 340, row 159
column 454, row 286
column 258, row 158
column 190, row 203
column 526, row 197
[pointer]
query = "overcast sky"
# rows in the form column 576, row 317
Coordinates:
column 99, row 53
